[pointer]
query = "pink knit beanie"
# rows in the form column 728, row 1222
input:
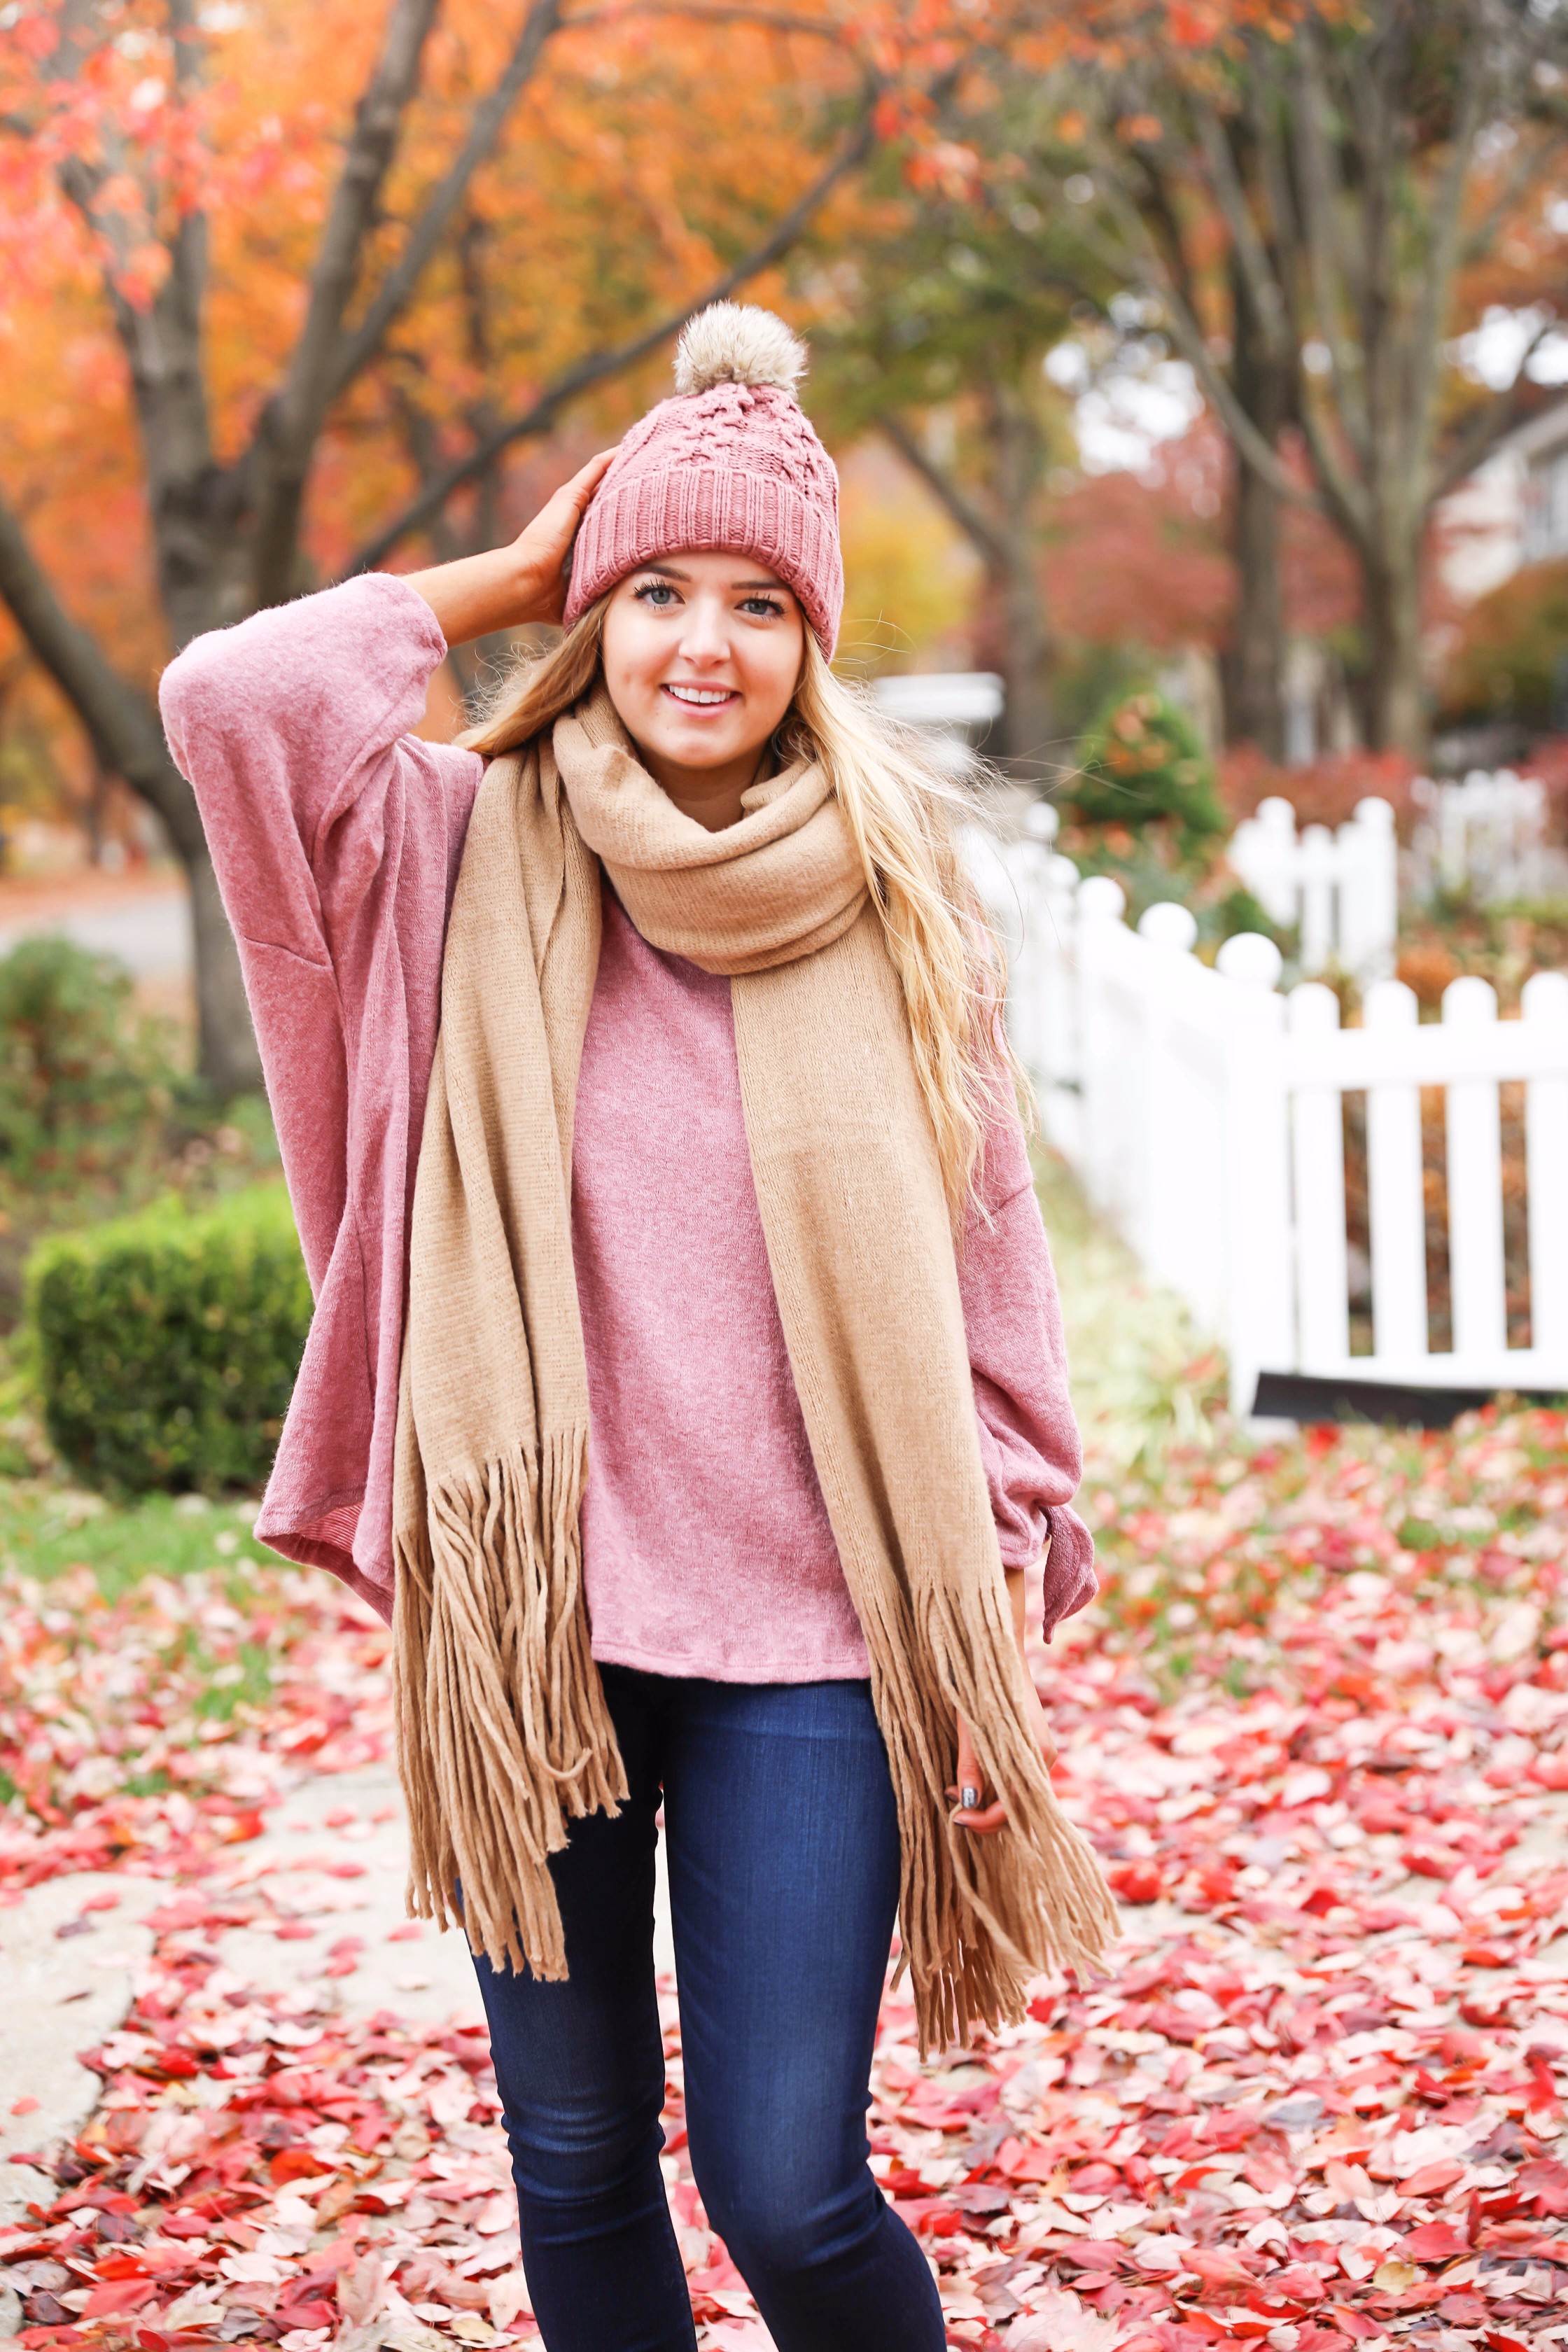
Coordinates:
column 732, row 462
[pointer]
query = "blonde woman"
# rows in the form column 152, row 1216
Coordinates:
column 685, row 1384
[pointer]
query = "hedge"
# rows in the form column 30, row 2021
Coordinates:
column 166, row 1343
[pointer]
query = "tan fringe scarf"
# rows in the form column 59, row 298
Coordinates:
column 503, row 1733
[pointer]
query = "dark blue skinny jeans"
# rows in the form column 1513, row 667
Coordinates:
column 783, row 1848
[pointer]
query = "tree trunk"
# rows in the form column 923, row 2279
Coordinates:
column 1026, row 741
column 1252, row 668
column 1395, row 701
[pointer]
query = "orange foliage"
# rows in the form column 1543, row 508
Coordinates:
column 651, row 147
column 628, row 174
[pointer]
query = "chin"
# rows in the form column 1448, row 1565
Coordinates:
column 699, row 750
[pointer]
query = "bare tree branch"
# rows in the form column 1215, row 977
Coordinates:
column 1481, row 433
column 1323, row 160
column 378, row 123
column 396, row 289
column 772, row 20
column 1443, row 244
column 982, row 533
column 1344, row 494
column 286, row 430
column 1536, row 164
column 597, row 367
column 1316, row 220
column 1142, row 261
column 119, row 720
column 1161, row 204
column 1262, row 284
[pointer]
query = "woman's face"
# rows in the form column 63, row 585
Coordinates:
column 702, row 654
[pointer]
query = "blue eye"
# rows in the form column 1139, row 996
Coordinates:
column 761, row 607
column 656, row 592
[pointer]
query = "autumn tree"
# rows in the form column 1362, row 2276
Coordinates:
column 333, row 266
column 933, row 333
column 1361, row 167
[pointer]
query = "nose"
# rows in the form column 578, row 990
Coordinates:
column 705, row 638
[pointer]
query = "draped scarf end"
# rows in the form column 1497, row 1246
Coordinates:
column 503, row 1735
column 982, row 1918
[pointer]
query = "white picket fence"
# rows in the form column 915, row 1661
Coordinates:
column 1340, row 889
column 1485, row 838
column 1204, row 1113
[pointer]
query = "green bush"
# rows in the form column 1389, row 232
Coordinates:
column 85, row 1080
column 166, row 1344
column 1143, row 764
column 1509, row 661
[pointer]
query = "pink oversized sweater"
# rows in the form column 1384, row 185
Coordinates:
column 337, row 835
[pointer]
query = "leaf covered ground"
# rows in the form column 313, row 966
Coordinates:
column 1317, row 1724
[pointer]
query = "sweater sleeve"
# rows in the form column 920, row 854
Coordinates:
column 1029, row 1435
column 293, row 729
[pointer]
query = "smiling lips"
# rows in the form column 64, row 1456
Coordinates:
column 701, row 698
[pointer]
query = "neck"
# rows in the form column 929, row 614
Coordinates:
column 710, row 797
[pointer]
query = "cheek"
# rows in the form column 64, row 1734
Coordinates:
column 629, row 651
column 772, row 672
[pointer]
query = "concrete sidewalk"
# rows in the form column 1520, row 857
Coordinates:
column 334, row 1861
column 147, row 928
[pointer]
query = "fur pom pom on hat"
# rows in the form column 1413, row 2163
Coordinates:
column 731, row 462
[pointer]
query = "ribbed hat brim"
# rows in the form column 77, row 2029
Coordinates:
column 645, row 516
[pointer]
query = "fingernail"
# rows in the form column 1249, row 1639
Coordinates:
column 970, row 1799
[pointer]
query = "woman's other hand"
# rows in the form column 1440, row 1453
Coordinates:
column 508, row 587
column 984, row 1813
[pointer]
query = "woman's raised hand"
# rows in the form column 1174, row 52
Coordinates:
column 507, row 587
column 540, row 552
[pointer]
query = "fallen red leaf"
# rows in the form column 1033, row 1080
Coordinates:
column 117, row 2296
column 1431, row 2180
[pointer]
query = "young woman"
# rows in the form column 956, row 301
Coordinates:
column 686, row 1382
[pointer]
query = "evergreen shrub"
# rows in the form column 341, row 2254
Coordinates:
column 1143, row 764
column 85, row 1079
column 166, row 1344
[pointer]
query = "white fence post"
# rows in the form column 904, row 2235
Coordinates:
column 1061, row 1014
column 1369, row 890
column 1486, row 839
column 1256, row 1197
column 1318, row 1165
column 1263, row 852
column 1396, row 1197
column 1476, row 1276
column 1341, row 890
column 1031, row 859
column 1111, row 1075
column 1165, row 1215
column 1207, row 1125
column 1319, row 872
column 1545, row 1008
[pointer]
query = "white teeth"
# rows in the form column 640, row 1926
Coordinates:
column 699, row 695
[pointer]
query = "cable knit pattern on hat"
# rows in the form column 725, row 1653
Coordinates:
column 733, row 464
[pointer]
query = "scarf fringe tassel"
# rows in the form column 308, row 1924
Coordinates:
column 979, row 1917
column 503, row 1735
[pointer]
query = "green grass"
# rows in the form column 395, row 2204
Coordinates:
column 246, row 1682
column 46, row 1528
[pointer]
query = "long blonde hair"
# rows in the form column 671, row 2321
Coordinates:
column 903, row 812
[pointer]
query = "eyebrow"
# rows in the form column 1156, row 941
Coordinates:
column 669, row 572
